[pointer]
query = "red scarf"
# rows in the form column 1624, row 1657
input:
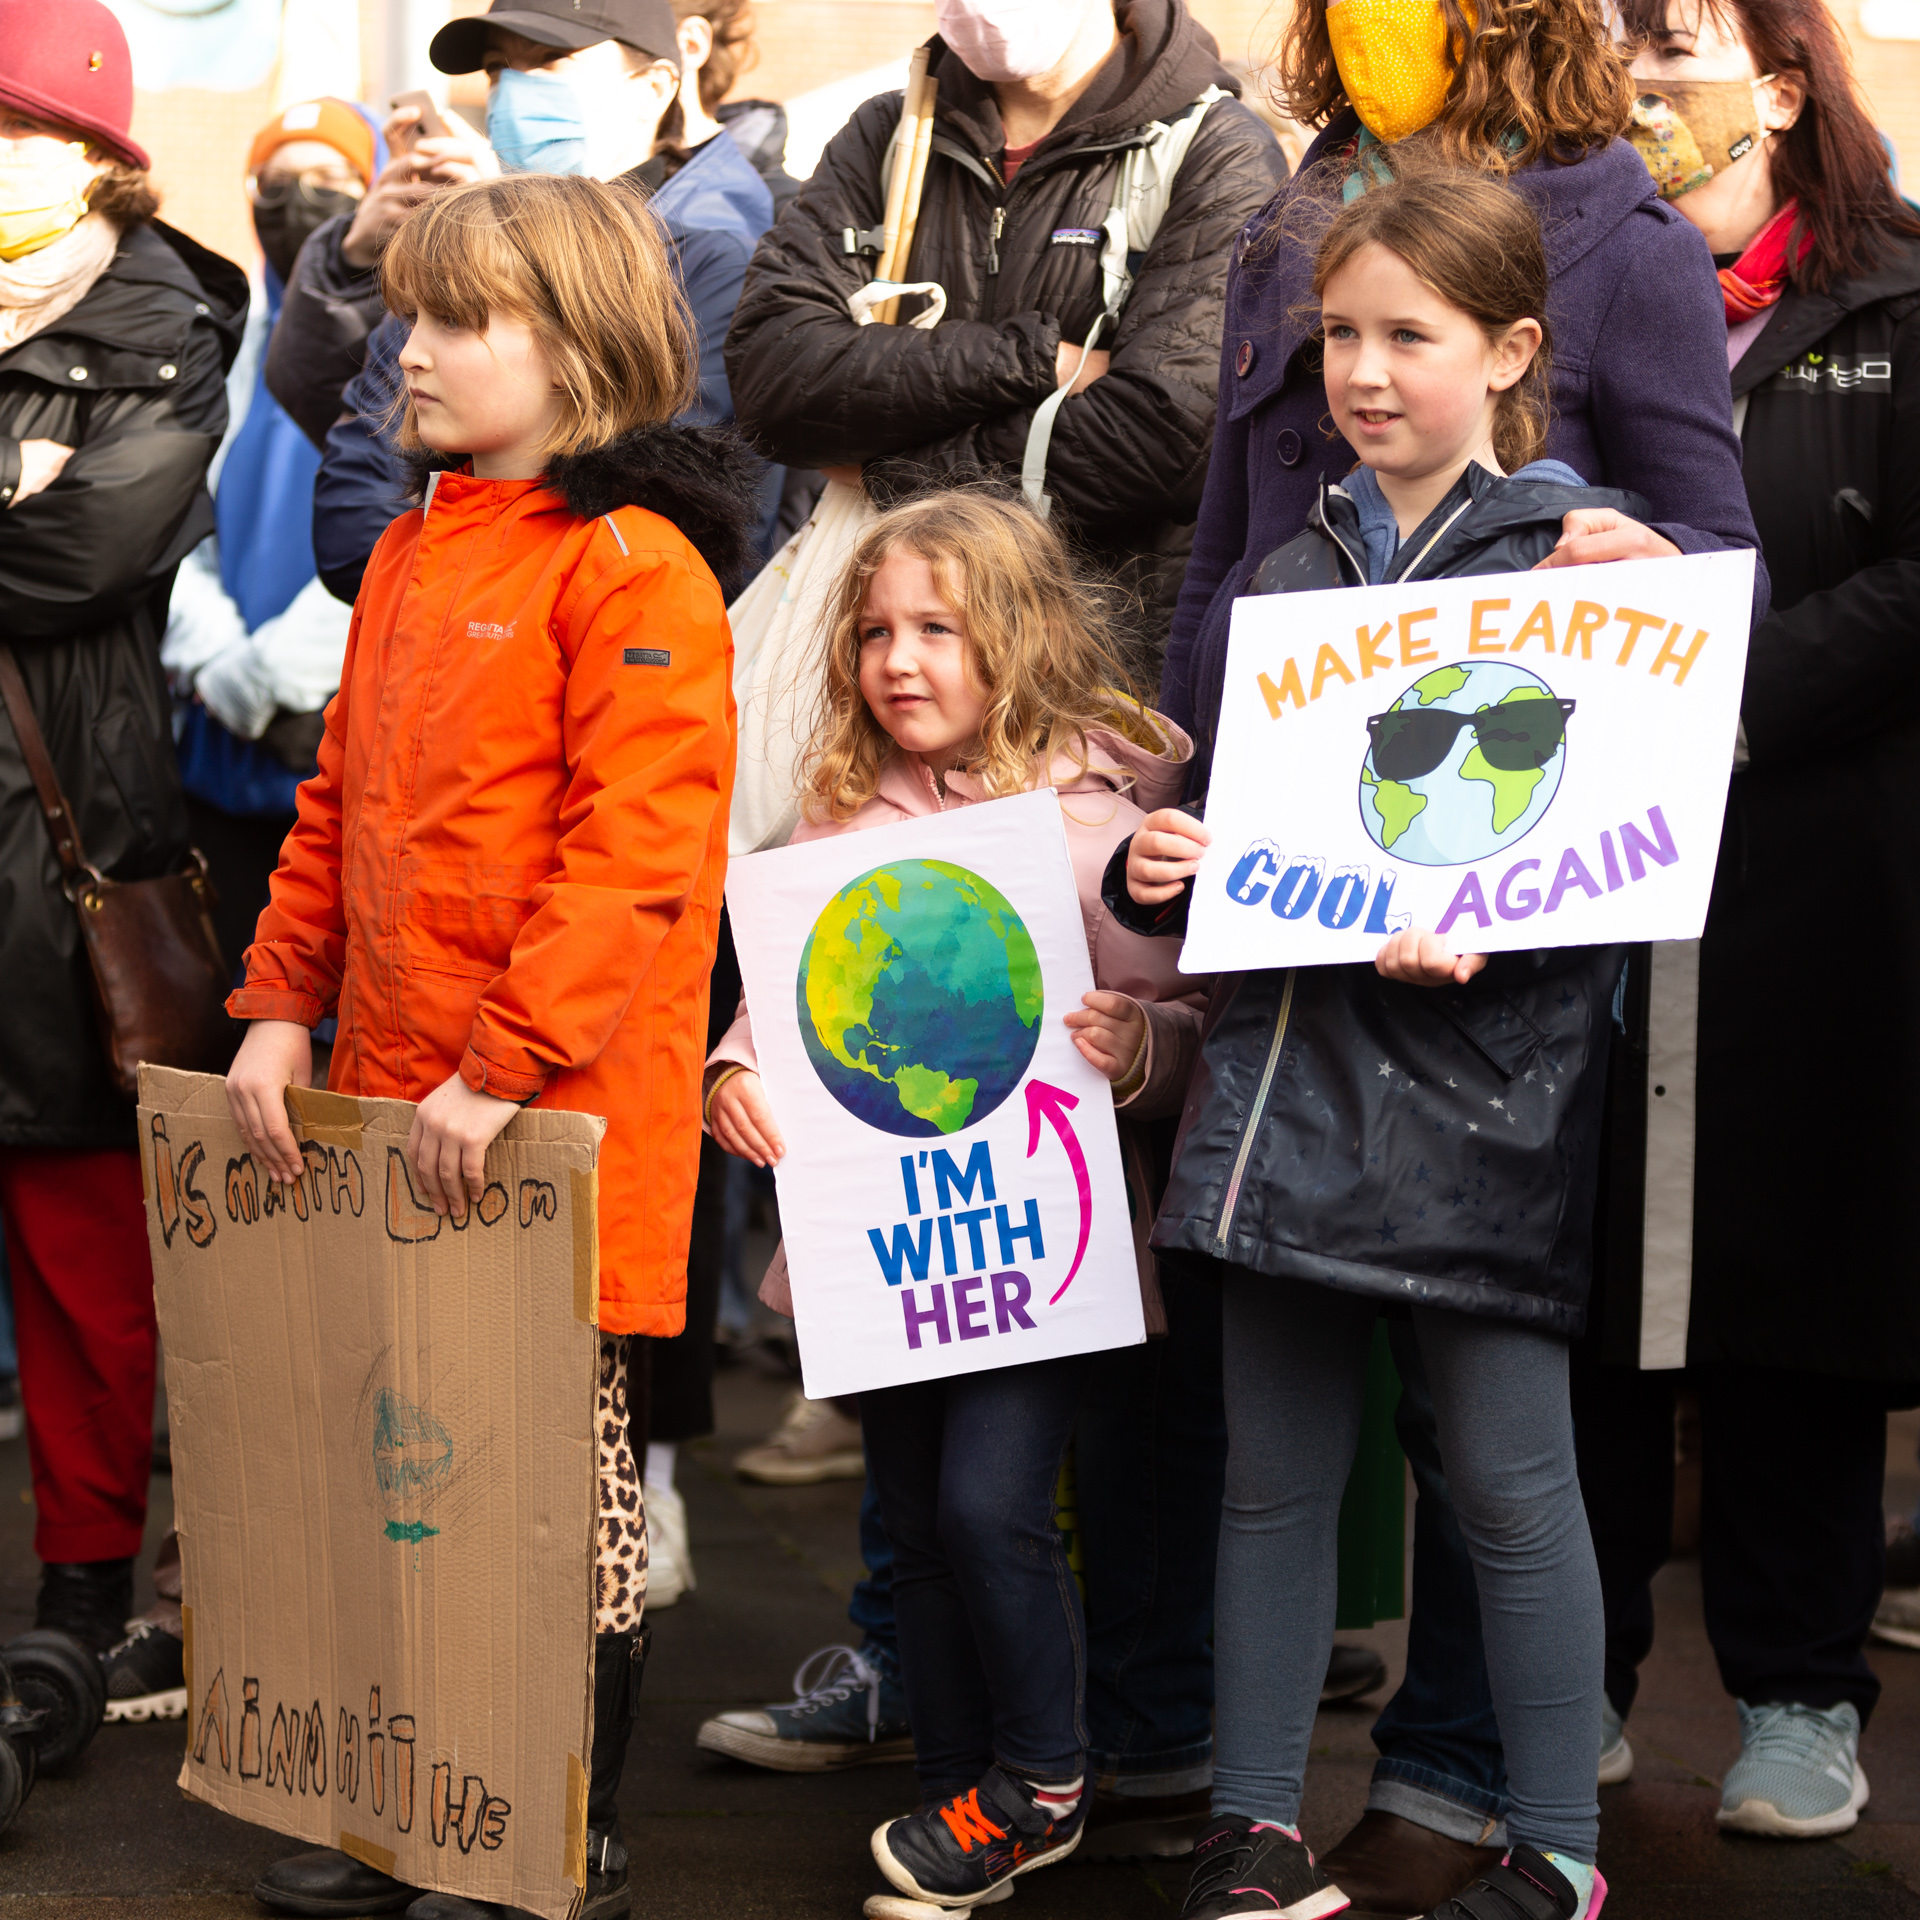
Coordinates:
column 1759, row 277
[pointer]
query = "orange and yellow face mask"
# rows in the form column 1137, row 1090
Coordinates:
column 1392, row 57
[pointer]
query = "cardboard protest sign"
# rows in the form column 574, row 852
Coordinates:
column 1518, row 760
column 384, row 1480
column 952, row 1196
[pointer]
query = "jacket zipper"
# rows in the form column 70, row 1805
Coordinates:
column 1406, row 572
column 1256, row 1115
column 971, row 163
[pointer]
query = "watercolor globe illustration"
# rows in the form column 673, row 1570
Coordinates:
column 1463, row 764
column 920, row 998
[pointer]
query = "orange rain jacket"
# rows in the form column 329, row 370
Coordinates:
column 511, row 859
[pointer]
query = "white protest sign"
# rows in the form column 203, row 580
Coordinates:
column 1517, row 760
column 952, row 1195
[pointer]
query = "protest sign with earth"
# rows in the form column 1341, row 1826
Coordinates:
column 1519, row 760
column 952, row 1194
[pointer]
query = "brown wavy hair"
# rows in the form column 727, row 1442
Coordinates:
column 1476, row 243
column 584, row 265
column 1830, row 160
column 124, row 193
column 1533, row 80
column 1041, row 639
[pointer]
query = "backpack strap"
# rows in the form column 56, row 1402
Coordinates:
column 1142, row 192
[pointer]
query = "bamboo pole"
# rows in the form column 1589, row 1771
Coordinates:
column 904, row 138
column 889, row 312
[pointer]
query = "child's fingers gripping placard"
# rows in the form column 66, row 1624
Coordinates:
column 1513, row 761
column 952, row 1195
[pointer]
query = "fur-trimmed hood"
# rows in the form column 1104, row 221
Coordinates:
column 706, row 480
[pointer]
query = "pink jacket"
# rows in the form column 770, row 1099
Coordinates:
column 1124, row 781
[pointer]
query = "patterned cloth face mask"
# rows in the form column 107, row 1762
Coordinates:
column 1689, row 130
column 1392, row 57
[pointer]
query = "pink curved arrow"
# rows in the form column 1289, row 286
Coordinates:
column 1056, row 1103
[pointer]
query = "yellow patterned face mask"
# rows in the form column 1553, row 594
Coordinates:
column 1392, row 57
column 40, row 200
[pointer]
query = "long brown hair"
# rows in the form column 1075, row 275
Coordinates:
column 580, row 262
column 1039, row 637
column 1830, row 160
column 1533, row 80
column 1476, row 243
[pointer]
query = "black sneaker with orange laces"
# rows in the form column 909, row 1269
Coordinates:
column 963, row 1853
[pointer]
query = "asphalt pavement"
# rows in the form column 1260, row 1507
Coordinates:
column 117, row 1840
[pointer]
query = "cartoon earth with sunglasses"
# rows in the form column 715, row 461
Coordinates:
column 1463, row 764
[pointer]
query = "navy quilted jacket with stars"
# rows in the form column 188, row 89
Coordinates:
column 1414, row 1144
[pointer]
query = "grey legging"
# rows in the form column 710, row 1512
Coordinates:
column 1295, row 1363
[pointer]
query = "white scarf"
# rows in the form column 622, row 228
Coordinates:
column 44, row 286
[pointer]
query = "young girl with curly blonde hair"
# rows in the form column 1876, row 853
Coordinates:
column 966, row 662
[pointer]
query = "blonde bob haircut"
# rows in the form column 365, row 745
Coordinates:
column 583, row 265
column 1039, row 637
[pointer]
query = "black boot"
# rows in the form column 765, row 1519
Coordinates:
column 619, row 1659
column 325, row 1882
column 89, row 1599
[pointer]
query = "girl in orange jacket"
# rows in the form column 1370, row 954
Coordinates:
column 505, row 878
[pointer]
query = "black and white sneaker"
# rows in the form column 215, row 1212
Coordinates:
column 1252, row 1871
column 965, row 1853
column 147, row 1675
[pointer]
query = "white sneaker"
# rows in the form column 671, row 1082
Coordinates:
column 815, row 1441
column 1897, row 1618
column 1616, row 1757
column 669, row 1560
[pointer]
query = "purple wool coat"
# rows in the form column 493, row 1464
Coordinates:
column 1640, row 396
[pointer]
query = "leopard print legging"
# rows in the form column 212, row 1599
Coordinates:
column 620, row 1565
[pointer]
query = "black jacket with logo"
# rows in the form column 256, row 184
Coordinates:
column 1809, row 1022
column 1020, row 266
column 134, row 380
column 1438, row 1147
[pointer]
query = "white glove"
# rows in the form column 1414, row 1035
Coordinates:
column 291, row 661
column 201, row 621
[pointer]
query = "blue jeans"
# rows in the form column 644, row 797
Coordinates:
column 1151, row 1458
column 992, row 1634
column 1295, row 1365
column 1441, row 1764
column 871, row 1609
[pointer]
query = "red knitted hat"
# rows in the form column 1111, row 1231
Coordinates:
column 67, row 61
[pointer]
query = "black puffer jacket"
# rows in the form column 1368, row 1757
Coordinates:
column 133, row 379
column 1433, row 1146
column 1129, row 456
column 1806, row 1125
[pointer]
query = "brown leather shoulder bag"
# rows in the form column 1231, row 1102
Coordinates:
column 159, row 983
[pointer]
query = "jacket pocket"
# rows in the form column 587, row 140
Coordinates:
column 1503, row 1036
column 461, row 921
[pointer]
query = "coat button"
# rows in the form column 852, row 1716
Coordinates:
column 1288, row 447
column 1243, row 363
column 76, row 373
column 168, row 371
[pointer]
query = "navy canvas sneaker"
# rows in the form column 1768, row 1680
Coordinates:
column 850, row 1712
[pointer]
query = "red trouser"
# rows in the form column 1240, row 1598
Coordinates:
column 83, row 1319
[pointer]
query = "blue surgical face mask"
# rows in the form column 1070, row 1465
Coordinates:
column 535, row 123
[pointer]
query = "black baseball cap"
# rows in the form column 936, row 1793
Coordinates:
column 645, row 25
